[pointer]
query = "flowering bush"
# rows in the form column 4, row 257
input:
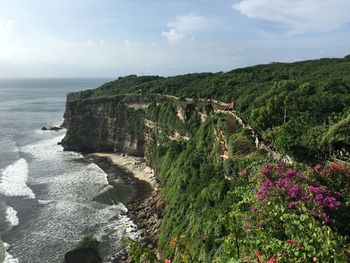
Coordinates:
column 286, row 213
column 298, row 188
column 279, row 214
column 294, row 217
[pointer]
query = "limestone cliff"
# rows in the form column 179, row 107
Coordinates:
column 127, row 123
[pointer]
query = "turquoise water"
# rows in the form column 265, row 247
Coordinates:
column 47, row 195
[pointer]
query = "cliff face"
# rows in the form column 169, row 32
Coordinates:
column 93, row 126
column 126, row 123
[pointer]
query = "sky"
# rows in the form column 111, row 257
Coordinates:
column 110, row 38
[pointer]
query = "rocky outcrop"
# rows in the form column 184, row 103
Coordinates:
column 54, row 128
column 103, row 124
column 187, row 110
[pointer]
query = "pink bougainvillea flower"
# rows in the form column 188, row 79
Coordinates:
column 283, row 183
column 294, row 191
column 272, row 260
column 298, row 190
column 291, row 173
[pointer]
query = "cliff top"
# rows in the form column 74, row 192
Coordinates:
column 297, row 106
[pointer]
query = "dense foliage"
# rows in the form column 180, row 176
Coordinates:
column 264, row 212
column 303, row 107
column 196, row 192
column 225, row 200
column 288, row 214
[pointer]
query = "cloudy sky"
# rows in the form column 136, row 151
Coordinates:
column 108, row 38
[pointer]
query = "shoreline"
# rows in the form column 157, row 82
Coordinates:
column 144, row 206
column 133, row 165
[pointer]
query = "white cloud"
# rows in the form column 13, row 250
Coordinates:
column 185, row 24
column 300, row 16
column 173, row 35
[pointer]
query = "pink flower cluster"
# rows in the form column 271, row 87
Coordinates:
column 281, row 181
column 279, row 177
column 323, row 196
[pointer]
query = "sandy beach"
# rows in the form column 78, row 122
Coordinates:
column 134, row 165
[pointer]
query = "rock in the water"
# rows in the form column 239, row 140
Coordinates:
column 55, row 128
column 83, row 255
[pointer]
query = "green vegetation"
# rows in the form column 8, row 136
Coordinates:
column 166, row 116
column 198, row 196
column 296, row 106
column 266, row 211
column 133, row 119
column 227, row 201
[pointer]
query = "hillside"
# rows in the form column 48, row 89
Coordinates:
column 297, row 106
column 229, row 193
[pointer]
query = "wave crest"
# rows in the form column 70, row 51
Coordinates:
column 14, row 180
column 11, row 216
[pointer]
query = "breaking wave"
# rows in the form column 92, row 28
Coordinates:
column 11, row 216
column 14, row 180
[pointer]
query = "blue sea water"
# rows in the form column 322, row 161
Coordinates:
column 47, row 195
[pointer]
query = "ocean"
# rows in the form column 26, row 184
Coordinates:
column 48, row 197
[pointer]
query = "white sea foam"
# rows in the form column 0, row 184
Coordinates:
column 13, row 181
column 8, row 257
column 44, row 149
column 11, row 216
column 119, row 228
column 73, row 185
column 99, row 175
column 67, row 187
